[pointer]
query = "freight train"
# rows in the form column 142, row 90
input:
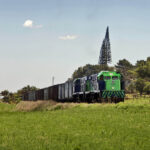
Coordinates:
column 105, row 86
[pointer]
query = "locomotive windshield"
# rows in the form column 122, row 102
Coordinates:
column 77, row 82
column 107, row 77
column 115, row 77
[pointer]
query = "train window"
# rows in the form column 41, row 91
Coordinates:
column 115, row 78
column 77, row 82
column 107, row 77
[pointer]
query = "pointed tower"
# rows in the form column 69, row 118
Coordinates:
column 105, row 52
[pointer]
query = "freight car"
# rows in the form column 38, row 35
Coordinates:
column 106, row 86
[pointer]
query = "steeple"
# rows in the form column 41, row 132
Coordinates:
column 105, row 52
column 107, row 33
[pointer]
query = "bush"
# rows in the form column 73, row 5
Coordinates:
column 140, row 84
column 147, row 88
column 131, row 88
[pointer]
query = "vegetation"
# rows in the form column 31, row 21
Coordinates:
column 16, row 97
column 137, row 77
column 140, row 76
column 107, row 126
column 90, row 69
column 124, row 64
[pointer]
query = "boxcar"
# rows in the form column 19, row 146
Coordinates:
column 55, row 92
column 68, row 90
column 46, row 94
column 25, row 96
column 61, row 91
column 40, row 94
column 50, row 92
column 31, row 95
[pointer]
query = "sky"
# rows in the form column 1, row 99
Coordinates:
column 40, row 39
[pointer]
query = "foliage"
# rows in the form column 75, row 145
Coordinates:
column 107, row 126
column 131, row 88
column 140, row 63
column 144, row 70
column 140, row 84
column 16, row 97
column 132, row 73
column 137, row 75
column 147, row 87
column 6, row 95
column 124, row 64
column 27, row 89
column 126, row 69
column 143, row 76
column 90, row 69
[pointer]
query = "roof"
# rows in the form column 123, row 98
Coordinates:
column 108, row 73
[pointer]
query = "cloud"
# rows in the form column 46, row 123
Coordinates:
column 38, row 26
column 68, row 37
column 29, row 24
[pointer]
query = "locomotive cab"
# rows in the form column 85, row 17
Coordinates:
column 112, row 80
column 112, row 85
column 77, row 85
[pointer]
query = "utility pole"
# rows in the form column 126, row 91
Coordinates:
column 105, row 52
column 53, row 78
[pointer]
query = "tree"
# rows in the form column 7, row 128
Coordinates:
column 140, row 84
column 143, row 71
column 147, row 87
column 124, row 64
column 17, row 96
column 140, row 63
column 148, row 59
column 131, row 87
column 89, row 70
column 27, row 89
column 6, row 95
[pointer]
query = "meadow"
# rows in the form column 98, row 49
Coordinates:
column 70, row 126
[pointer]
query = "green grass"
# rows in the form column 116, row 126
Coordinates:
column 123, row 126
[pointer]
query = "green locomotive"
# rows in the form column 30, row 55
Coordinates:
column 104, row 86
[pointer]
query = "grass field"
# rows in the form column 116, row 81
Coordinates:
column 122, row 126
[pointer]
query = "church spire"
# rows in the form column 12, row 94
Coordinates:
column 105, row 52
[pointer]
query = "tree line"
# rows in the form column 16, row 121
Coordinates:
column 16, row 97
column 136, row 77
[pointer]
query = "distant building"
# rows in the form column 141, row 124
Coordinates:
column 105, row 52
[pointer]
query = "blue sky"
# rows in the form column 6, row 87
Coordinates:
column 44, row 38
